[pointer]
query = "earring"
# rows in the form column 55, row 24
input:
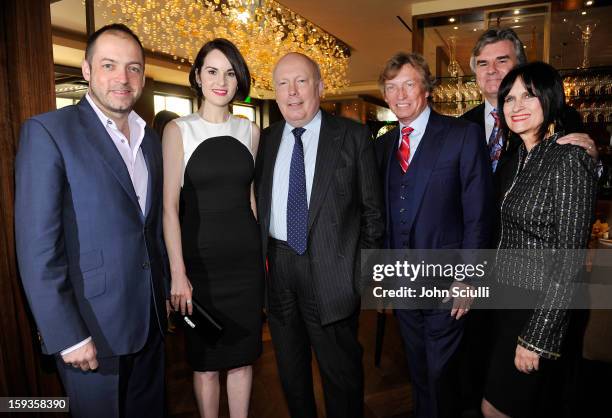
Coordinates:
column 551, row 129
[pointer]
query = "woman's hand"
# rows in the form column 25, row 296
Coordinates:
column 168, row 308
column 582, row 140
column 180, row 294
column 526, row 361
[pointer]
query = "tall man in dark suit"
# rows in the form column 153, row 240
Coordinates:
column 319, row 203
column 89, row 236
column 438, row 194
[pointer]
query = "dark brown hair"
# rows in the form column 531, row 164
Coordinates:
column 243, row 76
column 115, row 28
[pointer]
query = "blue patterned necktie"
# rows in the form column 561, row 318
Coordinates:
column 496, row 141
column 297, row 203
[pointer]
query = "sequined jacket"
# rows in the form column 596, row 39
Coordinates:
column 549, row 206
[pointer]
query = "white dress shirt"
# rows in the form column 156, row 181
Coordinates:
column 489, row 120
column 130, row 151
column 280, row 180
column 418, row 125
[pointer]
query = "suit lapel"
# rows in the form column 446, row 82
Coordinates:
column 477, row 115
column 482, row 117
column 390, row 144
column 95, row 134
column 328, row 150
column 272, row 143
column 426, row 156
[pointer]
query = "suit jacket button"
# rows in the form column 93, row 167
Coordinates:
column 145, row 265
column 402, row 210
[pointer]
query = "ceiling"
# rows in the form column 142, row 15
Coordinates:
column 371, row 29
column 353, row 21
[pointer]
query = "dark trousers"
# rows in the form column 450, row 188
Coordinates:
column 431, row 339
column 125, row 386
column 295, row 326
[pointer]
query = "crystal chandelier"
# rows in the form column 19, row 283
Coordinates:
column 263, row 30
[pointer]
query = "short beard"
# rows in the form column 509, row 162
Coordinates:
column 109, row 106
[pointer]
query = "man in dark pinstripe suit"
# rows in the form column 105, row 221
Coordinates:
column 319, row 202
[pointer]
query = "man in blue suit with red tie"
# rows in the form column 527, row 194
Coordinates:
column 89, row 236
column 438, row 193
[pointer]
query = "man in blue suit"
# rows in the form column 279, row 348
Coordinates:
column 89, row 236
column 438, row 194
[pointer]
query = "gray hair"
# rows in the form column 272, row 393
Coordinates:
column 494, row 35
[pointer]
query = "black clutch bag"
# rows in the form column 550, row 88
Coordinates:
column 202, row 322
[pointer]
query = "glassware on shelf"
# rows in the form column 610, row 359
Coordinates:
column 584, row 113
column 450, row 94
column 597, row 84
column 569, row 84
column 586, row 33
column 608, row 115
column 453, row 66
column 454, row 96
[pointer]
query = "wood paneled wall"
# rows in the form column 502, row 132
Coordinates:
column 26, row 89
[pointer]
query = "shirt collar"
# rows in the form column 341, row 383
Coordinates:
column 312, row 125
column 133, row 117
column 420, row 123
column 488, row 108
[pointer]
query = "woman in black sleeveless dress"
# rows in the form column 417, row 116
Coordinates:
column 214, row 250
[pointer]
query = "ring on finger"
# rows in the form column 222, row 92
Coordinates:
column 188, row 301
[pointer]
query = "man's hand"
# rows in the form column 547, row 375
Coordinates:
column 83, row 357
column 526, row 361
column 582, row 140
column 461, row 305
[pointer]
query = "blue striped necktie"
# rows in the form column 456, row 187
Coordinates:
column 297, row 203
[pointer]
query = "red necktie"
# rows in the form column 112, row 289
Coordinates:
column 403, row 153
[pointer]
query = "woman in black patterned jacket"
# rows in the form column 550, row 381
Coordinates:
column 546, row 213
